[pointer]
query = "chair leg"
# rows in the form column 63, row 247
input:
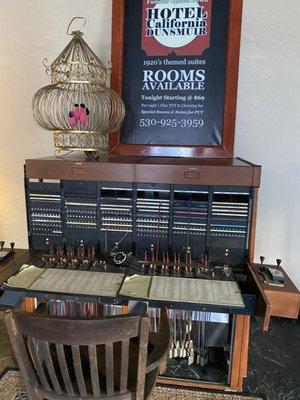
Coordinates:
column 23, row 362
column 150, row 382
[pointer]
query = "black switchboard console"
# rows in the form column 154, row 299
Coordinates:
column 206, row 221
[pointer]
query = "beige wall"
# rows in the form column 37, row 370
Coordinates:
column 267, row 130
column 31, row 30
column 268, row 106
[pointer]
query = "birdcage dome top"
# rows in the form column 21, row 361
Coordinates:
column 77, row 63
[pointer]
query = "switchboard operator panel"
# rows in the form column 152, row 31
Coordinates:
column 206, row 221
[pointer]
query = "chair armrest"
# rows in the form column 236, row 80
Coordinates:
column 161, row 346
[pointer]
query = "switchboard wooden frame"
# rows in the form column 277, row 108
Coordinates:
column 230, row 98
column 226, row 172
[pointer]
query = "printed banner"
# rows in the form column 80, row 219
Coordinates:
column 180, row 27
column 174, row 71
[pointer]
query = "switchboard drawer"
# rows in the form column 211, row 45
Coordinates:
column 195, row 175
column 75, row 170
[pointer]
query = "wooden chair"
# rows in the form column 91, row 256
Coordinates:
column 108, row 358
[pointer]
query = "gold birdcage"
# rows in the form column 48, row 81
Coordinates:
column 78, row 106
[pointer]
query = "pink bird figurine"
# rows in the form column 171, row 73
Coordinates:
column 83, row 115
column 72, row 119
column 79, row 114
column 77, row 111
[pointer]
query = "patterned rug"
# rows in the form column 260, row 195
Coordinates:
column 11, row 388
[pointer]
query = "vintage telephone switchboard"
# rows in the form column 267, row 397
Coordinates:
column 171, row 232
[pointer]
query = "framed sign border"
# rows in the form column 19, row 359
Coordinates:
column 230, row 97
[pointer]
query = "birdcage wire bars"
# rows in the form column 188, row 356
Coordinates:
column 78, row 106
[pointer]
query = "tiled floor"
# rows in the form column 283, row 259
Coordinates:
column 274, row 363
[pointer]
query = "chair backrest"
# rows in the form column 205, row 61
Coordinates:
column 44, row 346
